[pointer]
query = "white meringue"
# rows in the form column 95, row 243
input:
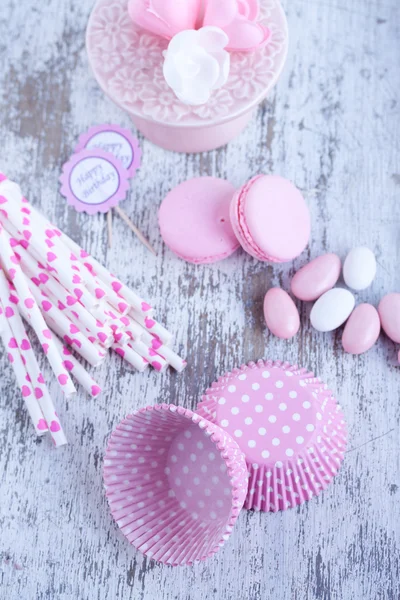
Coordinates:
column 196, row 64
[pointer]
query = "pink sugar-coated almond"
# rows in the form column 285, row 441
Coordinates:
column 389, row 312
column 175, row 483
column 361, row 330
column 281, row 315
column 316, row 277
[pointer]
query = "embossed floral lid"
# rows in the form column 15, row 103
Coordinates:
column 127, row 62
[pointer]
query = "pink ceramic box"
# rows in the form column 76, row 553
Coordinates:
column 127, row 63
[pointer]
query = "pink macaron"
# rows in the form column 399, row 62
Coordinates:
column 270, row 218
column 194, row 220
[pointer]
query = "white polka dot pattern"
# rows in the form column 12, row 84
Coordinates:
column 175, row 483
column 296, row 425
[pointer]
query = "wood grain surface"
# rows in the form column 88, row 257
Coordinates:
column 332, row 126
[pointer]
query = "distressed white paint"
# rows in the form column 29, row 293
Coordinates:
column 333, row 127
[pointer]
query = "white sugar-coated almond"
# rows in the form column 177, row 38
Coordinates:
column 359, row 268
column 332, row 309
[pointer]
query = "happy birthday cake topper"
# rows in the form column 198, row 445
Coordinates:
column 95, row 179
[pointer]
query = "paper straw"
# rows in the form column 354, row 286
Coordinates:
column 133, row 329
column 50, row 251
column 21, row 375
column 176, row 362
column 117, row 325
column 68, row 304
column 58, row 246
column 78, row 371
column 9, row 187
column 152, row 326
column 157, row 362
column 131, row 357
column 58, row 330
column 35, row 317
column 104, row 275
column 54, row 236
column 104, row 335
column 38, row 383
column 70, row 332
column 102, row 290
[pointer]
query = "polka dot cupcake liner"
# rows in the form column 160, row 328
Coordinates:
column 175, row 483
column 288, row 424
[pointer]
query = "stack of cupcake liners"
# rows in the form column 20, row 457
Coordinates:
column 267, row 436
column 288, row 424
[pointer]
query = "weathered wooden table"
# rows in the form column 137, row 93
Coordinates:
column 332, row 126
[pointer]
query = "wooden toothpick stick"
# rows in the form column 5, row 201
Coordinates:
column 135, row 230
column 109, row 228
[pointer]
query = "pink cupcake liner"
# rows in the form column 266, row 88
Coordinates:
column 175, row 483
column 288, row 424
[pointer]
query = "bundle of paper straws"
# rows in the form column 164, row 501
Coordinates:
column 69, row 299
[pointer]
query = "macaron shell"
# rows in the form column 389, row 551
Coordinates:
column 389, row 312
column 271, row 219
column 241, row 235
column 281, row 314
column 361, row 330
column 194, row 220
column 316, row 277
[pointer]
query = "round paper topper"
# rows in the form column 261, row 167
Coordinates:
column 116, row 140
column 94, row 181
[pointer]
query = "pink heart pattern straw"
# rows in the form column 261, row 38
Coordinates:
column 70, row 300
